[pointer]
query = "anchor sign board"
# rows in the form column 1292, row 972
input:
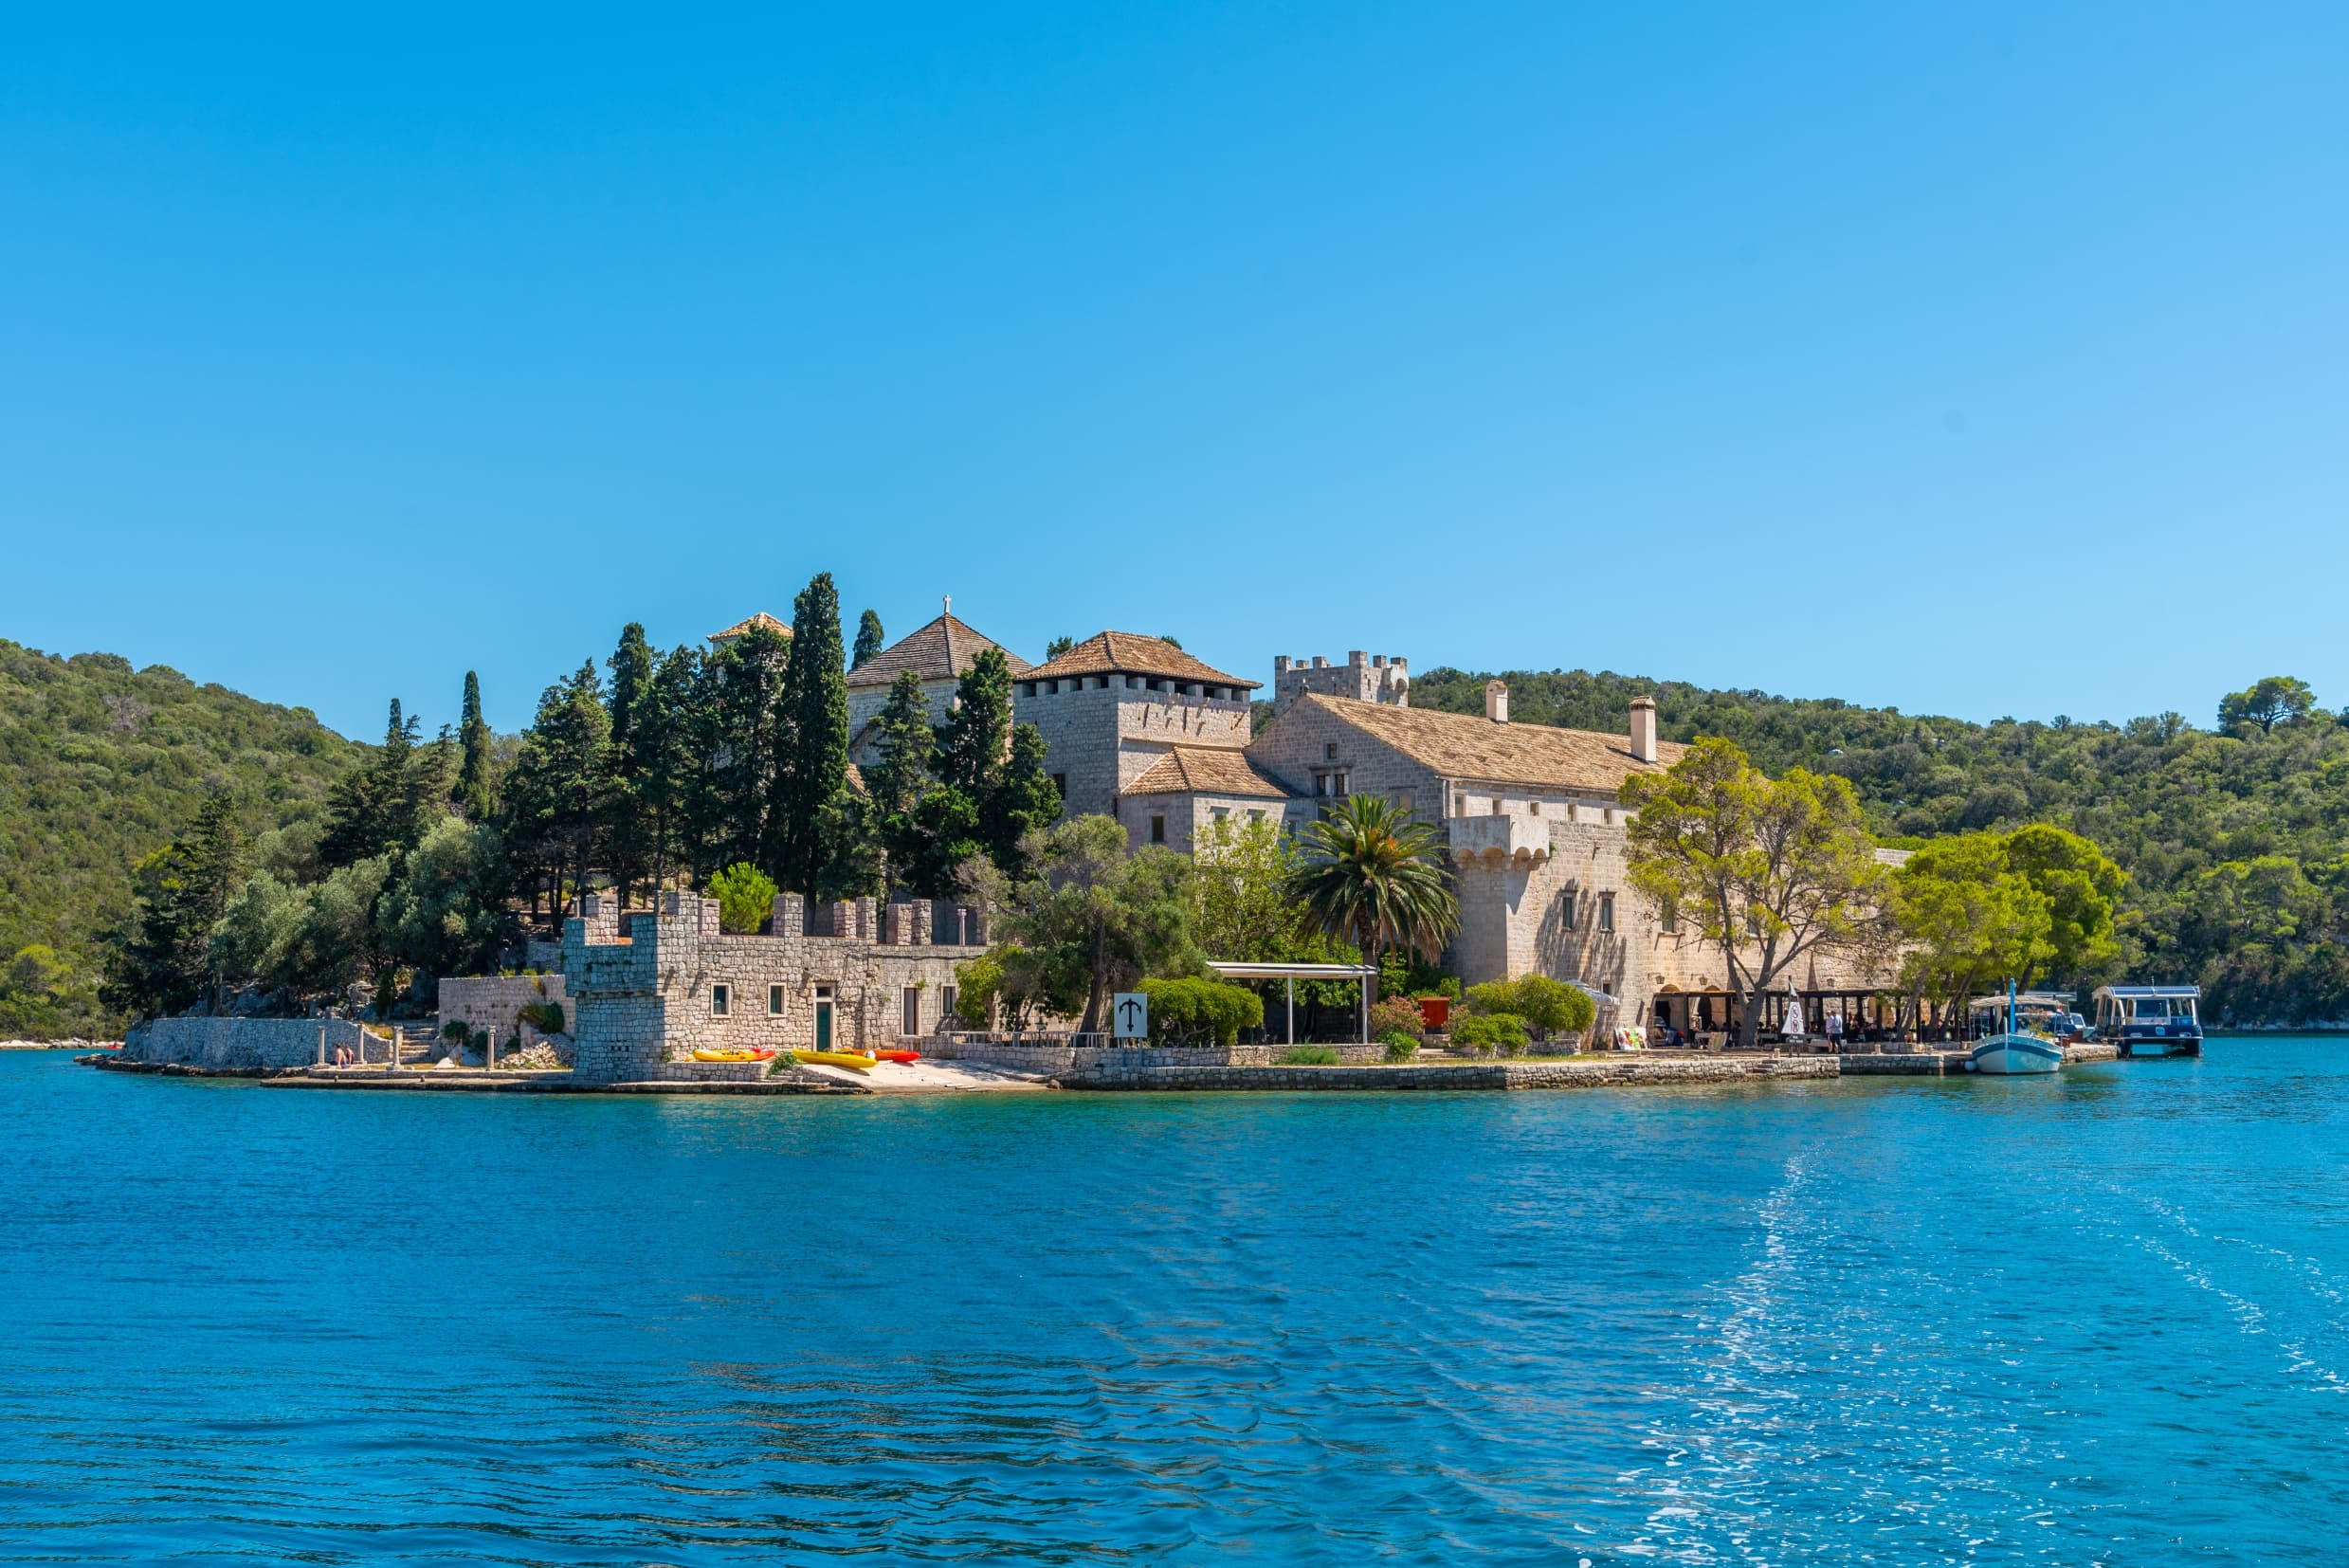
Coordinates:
column 1129, row 1017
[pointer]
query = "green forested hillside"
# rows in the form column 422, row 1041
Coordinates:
column 101, row 765
column 2237, row 841
column 2236, row 834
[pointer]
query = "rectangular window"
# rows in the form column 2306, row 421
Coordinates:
column 1219, row 812
column 1060, row 782
column 1028, row 688
column 1606, row 911
column 1566, row 909
column 1534, row 807
column 774, row 1001
column 1255, row 815
column 1158, row 828
column 1667, row 915
column 1403, row 802
column 1329, row 750
column 945, row 1006
column 718, row 999
column 913, row 1010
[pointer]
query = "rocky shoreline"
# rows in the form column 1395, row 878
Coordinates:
column 75, row 1044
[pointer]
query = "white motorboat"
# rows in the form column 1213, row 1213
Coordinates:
column 2016, row 1054
column 2013, row 1052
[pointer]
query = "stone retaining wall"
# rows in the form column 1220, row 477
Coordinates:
column 492, row 1004
column 247, row 1042
column 1470, row 1075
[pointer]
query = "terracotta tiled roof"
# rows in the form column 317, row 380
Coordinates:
column 1207, row 770
column 1463, row 745
column 1107, row 652
column 761, row 619
column 940, row 651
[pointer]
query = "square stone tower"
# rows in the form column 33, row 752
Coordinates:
column 1363, row 678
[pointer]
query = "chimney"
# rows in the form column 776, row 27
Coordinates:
column 1497, row 701
column 1642, row 728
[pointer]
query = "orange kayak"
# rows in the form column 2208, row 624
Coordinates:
column 896, row 1056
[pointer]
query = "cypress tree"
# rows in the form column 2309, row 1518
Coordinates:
column 747, row 727
column 869, row 640
column 898, row 778
column 975, row 743
column 476, row 790
column 809, row 823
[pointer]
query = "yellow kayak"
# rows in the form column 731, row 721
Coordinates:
column 742, row 1053
column 836, row 1059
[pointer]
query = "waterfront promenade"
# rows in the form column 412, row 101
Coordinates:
column 1596, row 1070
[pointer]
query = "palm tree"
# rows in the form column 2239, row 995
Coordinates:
column 1372, row 877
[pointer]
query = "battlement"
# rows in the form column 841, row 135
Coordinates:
column 1363, row 678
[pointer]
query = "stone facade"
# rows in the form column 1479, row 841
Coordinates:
column 492, row 1004
column 642, row 1002
column 1103, row 732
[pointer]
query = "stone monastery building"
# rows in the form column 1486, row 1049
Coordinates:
column 1139, row 730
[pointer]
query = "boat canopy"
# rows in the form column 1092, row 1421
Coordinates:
column 2027, row 999
column 2147, row 992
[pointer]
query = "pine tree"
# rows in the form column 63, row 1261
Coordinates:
column 374, row 808
column 476, row 790
column 869, row 640
column 683, row 804
column 633, row 726
column 811, row 828
column 559, row 795
column 161, row 954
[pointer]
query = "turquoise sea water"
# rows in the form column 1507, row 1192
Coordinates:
column 2104, row 1319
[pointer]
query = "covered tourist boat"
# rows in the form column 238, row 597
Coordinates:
column 2017, row 1049
column 2151, row 1020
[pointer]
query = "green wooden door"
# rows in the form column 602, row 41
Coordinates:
column 823, row 1026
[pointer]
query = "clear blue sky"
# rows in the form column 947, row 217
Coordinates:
column 1977, row 359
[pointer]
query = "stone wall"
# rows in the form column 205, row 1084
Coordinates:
column 492, row 1004
column 248, row 1041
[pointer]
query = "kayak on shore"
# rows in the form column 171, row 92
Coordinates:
column 741, row 1053
column 855, row 1060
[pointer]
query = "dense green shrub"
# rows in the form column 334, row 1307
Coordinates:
column 977, row 983
column 1550, row 1005
column 1194, row 1011
column 1486, row 1032
column 1309, row 1056
column 1402, row 1045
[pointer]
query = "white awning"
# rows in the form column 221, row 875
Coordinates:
column 1294, row 971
